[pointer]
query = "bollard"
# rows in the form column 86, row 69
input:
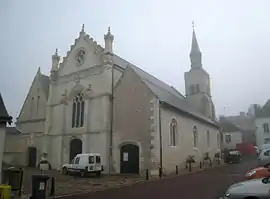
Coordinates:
column 200, row 165
column 52, row 192
column 176, row 169
column 160, row 172
column 189, row 166
column 147, row 174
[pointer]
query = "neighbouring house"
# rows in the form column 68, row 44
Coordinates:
column 95, row 101
column 247, row 125
column 5, row 119
column 231, row 135
column 262, row 124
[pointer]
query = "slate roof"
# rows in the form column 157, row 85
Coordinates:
column 165, row 93
column 4, row 116
column 228, row 126
column 244, row 123
column 265, row 110
column 12, row 131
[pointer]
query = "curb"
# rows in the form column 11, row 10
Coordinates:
column 139, row 182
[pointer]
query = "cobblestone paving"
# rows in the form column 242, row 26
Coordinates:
column 206, row 184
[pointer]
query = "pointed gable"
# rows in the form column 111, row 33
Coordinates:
column 87, row 49
column 39, row 88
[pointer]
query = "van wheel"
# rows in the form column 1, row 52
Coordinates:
column 98, row 173
column 65, row 171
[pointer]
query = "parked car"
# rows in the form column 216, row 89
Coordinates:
column 232, row 156
column 257, row 188
column 264, row 157
column 84, row 164
column 259, row 172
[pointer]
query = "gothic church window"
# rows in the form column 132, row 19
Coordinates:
column 208, row 138
column 266, row 128
column 78, row 111
column 173, row 133
column 195, row 136
column 218, row 140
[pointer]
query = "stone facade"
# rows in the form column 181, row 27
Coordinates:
column 76, row 104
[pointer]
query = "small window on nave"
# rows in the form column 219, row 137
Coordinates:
column 195, row 136
column 173, row 132
column 78, row 111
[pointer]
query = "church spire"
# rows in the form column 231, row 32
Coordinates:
column 195, row 53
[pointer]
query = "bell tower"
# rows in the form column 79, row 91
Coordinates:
column 197, row 81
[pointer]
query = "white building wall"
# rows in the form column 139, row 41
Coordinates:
column 236, row 138
column 261, row 136
column 177, row 155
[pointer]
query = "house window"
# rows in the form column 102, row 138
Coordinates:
column 228, row 138
column 173, row 132
column 195, row 136
column 78, row 111
column 266, row 128
column 197, row 88
column 266, row 140
column 208, row 138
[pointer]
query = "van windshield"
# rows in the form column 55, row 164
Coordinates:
column 97, row 159
column 91, row 160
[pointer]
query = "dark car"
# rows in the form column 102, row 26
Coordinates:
column 232, row 156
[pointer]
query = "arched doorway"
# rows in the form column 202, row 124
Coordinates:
column 75, row 148
column 129, row 161
column 32, row 156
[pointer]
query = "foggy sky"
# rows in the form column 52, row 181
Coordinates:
column 155, row 35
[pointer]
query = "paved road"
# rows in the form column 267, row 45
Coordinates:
column 207, row 184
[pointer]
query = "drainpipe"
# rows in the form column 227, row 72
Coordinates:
column 160, row 137
column 111, row 122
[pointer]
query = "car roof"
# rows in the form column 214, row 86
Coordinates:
column 88, row 154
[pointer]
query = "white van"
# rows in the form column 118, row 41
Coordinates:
column 84, row 164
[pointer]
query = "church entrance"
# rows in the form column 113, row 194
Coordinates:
column 75, row 148
column 129, row 161
column 32, row 156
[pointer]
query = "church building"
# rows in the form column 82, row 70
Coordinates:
column 94, row 101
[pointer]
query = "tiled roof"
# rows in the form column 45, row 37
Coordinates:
column 4, row 116
column 265, row 111
column 228, row 126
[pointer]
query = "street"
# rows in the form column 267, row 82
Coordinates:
column 207, row 184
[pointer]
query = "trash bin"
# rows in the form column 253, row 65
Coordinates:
column 39, row 186
column 14, row 176
column 5, row 192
